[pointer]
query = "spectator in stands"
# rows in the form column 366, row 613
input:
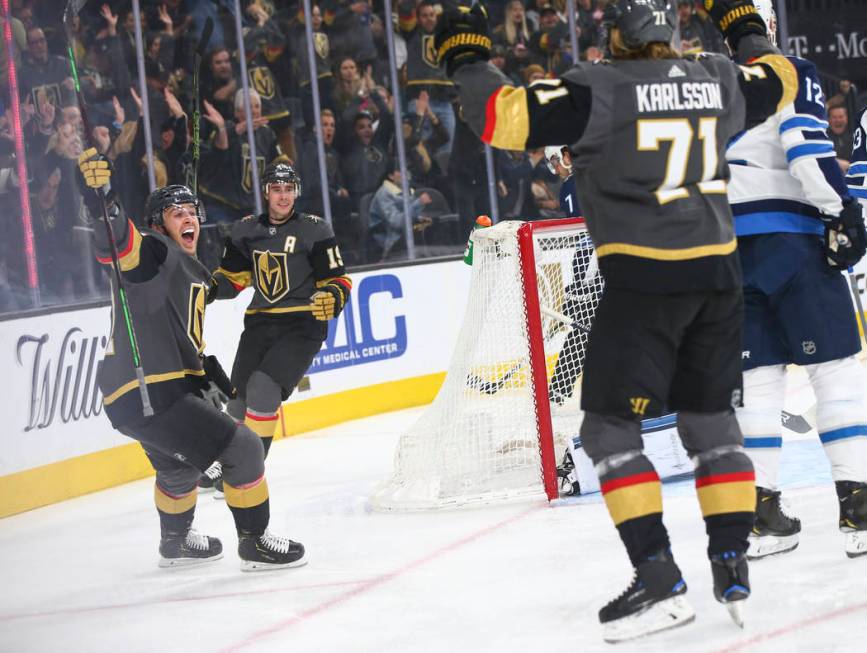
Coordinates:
column 322, row 60
column 514, row 173
column 43, row 71
column 587, row 22
column 348, row 25
column 19, row 39
column 469, row 175
column 338, row 194
column 533, row 73
column 387, row 224
column 366, row 161
column 423, row 72
column 263, row 42
column 695, row 32
column 841, row 135
column 220, row 82
column 226, row 175
column 103, row 73
column 514, row 34
column 547, row 42
column 423, row 153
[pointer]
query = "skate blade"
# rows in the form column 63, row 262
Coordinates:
column 736, row 612
column 250, row 565
column 665, row 615
column 219, row 496
column 763, row 546
column 177, row 563
column 856, row 544
column 205, row 490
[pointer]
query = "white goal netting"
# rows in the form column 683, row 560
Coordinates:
column 534, row 290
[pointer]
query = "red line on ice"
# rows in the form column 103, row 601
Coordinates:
column 791, row 628
column 373, row 583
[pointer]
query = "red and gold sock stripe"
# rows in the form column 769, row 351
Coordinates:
column 725, row 493
column 631, row 497
column 248, row 495
column 261, row 424
column 174, row 504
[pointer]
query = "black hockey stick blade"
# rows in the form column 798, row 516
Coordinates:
column 206, row 36
column 795, row 423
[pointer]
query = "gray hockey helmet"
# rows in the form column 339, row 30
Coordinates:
column 641, row 21
column 280, row 173
column 172, row 195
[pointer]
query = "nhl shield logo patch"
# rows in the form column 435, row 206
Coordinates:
column 809, row 347
column 272, row 274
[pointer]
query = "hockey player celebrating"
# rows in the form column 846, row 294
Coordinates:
column 292, row 261
column 788, row 195
column 647, row 131
column 165, row 288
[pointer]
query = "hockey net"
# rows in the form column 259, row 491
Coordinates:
column 510, row 397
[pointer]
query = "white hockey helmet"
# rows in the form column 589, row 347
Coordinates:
column 554, row 154
column 766, row 11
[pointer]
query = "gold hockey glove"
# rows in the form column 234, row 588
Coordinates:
column 462, row 37
column 736, row 19
column 94, row 168
column 324, row 304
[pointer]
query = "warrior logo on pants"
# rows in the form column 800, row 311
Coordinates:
column 272, row 274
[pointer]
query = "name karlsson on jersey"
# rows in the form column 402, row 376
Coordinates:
column 678, row 96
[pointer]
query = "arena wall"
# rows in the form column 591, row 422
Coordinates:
column 388, row 350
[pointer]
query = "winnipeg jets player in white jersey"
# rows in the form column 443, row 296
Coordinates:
column 798, row 226
column 856, row 177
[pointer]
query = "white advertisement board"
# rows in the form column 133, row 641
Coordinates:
column 399, row 323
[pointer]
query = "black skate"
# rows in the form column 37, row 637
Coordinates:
column 853, row 516
column 269, row 551
column 731, row 582
column 568, row 477
column 190, row 549
column 773, row 530
column 210, row 477
column 654, row 601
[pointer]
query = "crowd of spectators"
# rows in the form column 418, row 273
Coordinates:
column 445, row 160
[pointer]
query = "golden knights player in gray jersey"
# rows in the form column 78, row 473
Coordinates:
column 293, row 263
column 166, row 288
column 647, row 131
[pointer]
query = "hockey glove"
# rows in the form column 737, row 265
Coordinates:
column 216, row 376
column 213, row 395
column 845, row 237
column 462, row 37
column 327, row 303
column 95, row 169
column 736, row 19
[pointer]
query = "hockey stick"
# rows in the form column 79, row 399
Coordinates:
column 796, row 423
column 493, row 387
column 853, row 282
column 197, row 113
column 72, row 9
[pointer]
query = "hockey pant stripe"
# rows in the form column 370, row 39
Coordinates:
column 633, row 496
column 725, row 493
column 248, row 495
column 174, row 505
column 262, row 425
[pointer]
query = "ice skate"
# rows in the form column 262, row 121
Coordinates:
column 210, row 477
column 218, row 490
column 654, row 601
column 190, row 549
column 731, row 582
column 853, row 516
column 269, row 551
column 773, row 530
column 567, row 477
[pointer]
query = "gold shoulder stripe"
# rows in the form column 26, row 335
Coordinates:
column 787, row 74
column 659, row 254
column 507, row 119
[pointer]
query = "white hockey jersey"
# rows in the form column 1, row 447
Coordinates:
column 784, row 173
column 856, row 178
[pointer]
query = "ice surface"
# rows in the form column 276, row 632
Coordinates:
column 82, row 575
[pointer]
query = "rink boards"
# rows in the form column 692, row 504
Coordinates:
column 389, row 349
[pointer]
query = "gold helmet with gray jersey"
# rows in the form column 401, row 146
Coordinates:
column 280, row 173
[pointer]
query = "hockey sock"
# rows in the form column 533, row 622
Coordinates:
column 841, row 418
column 176, row 511
column 759, row 421
column 726, row 488
column 249, row 505
column 263, row 425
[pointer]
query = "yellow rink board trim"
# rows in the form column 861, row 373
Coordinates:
column 91, row 472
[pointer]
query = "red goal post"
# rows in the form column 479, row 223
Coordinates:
column 493, row 432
